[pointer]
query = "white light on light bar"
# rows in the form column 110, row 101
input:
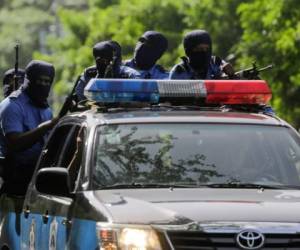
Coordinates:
column 181, row 88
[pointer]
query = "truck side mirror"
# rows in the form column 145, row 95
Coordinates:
column 53, row 181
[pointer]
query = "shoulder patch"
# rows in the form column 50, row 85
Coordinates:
column 216, row 60
column 161, row 68
column 15, row 94
column 179, row 68
column 90, row 72
column 183, row 66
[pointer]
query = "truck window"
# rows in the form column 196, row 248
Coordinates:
column 51, row 154
column 196, row 154
column 64, row 149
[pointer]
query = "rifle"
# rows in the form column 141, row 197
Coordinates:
column 16, row 75
column 112, row 70
column 251, row 73
column 69, row 100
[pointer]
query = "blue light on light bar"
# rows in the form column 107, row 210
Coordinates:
column 141, row 90
column 118, row 90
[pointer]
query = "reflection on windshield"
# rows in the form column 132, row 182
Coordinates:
column 195, row 154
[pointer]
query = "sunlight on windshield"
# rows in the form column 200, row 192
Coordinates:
column 196, row 154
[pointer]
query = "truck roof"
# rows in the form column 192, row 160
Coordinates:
column 173, row 115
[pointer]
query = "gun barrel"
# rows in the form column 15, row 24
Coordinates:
column 251, row 73
column 267, row 67
column 16, row 67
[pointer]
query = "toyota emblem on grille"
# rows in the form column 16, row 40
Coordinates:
column 250, row 239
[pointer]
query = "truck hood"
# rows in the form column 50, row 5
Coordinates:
column 181, row 206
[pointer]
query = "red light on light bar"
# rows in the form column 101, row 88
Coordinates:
column 237, row 92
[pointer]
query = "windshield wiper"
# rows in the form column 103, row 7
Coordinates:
column 146, row 185
column 248, row 185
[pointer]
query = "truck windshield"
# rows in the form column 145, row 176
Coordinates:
column 194, row 155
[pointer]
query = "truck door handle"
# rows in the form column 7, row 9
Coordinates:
column 45, row 217
column 26, row 212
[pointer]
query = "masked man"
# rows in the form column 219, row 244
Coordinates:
column 25, row 119
column 107, row 56
column 199, row 62
column 148, row 50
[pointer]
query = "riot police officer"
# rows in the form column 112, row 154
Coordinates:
column 10, row 83
column 199, row 62
column 25, row 119
column 107, row 55
column 148, row 50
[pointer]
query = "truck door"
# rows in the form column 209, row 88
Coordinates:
column 44, row 222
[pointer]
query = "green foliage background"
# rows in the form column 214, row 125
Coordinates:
column 265, row 31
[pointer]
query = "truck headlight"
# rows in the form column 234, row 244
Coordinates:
column 119, row 237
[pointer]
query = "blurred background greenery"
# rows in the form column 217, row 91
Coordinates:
column 64, row 31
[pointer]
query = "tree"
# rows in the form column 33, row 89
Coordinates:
column 29, row 23
column 24, row 23
column 272, row 35
column 219, row 18
column 252, row 30
column 123, row 21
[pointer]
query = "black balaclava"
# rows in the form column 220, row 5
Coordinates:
column 149, row 49
column 38, row 93
column 103, row 51
column 199, row 60
column 8, row 78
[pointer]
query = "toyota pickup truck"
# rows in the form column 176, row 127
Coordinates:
column 163, row 165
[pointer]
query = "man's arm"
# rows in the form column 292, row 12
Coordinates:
column 17, row 141
column 79, row 88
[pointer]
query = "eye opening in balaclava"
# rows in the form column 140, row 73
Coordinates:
column 199, row 59
column 103, row 55
column 149, row 48
column 39, row 78
column 9, row 80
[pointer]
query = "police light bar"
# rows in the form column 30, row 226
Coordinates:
column 155, row 91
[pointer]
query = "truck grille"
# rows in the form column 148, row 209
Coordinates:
column 187, row 240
